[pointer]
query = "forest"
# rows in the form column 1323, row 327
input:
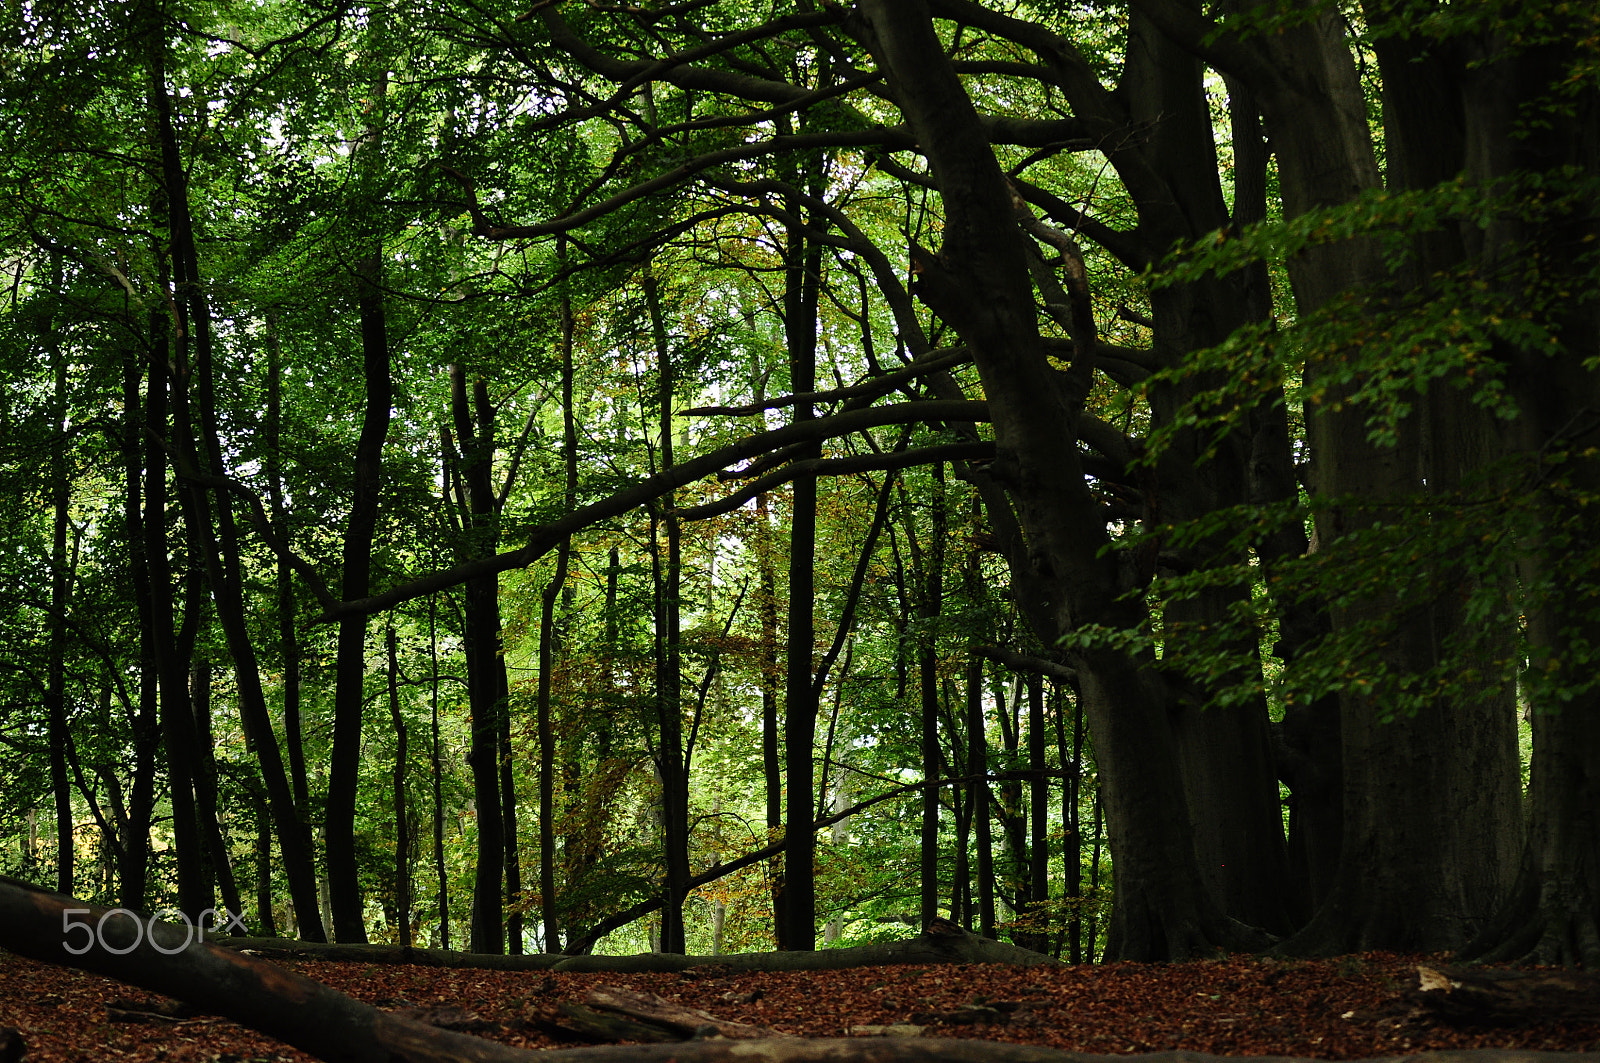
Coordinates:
column 719, row 476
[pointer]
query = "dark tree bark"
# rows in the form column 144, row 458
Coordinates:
column 266, row 922
column 978, row 766
column 402, row 828
column 350, row 669
column 1426, row 850
column 927, row 574
column 1552, row 915
column 437, row 773
column 1164, row 909
column 1038, row 869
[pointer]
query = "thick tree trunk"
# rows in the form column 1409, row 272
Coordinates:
column 1553, row 913
column 980, row 283
column 1429, row 817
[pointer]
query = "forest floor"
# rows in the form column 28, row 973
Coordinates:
column 1348, row 1008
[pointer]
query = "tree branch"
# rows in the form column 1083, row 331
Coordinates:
column 980, row 451
column 546, row 537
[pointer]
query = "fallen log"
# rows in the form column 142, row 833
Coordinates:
column 612, row 1014
column 1506, row 998
column 288, row 949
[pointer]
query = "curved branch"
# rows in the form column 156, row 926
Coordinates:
column 980, row 451
column 871, row 388
column 546, row 537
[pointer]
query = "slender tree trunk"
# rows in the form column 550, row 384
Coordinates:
column 772, row 765
column 266, row 924
column 1038, row 869
column 978, row 766
column 803, row 283
column 205, row 791
column 671, row 755
column 547, row 648
column 402, row 829
column 221, row 550
column 485, row 666
column 60, row 591
column 928, row 570
column 134, row 856
column 438, row 775
column 350, row 662
column 289, row 644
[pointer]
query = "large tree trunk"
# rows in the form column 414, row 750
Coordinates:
column 1553, row 913
column 980, row 283
column 1429, row 812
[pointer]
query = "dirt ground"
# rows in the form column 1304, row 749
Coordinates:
column 1348, row 1008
